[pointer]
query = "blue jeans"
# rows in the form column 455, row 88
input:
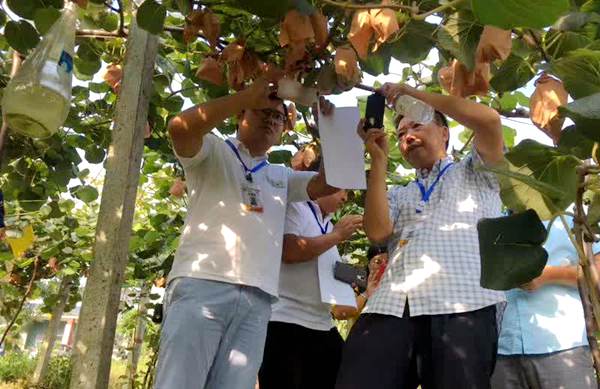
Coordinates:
column 213, row 335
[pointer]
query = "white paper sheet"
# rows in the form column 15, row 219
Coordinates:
column 343, row 150
column 333, row 291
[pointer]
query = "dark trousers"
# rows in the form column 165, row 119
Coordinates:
column 297, row 357
column 455, row 351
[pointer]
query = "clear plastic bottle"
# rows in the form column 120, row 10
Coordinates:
column 36, row 101
column 414, row 109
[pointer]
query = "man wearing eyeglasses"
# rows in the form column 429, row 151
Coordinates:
column 429, row 323
column 226, row 270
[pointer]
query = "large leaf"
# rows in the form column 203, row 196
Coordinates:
column 561, row 43
column 573, row 141
column 580, row 72
column 415, row 43
column 151, row 16
column 513, row 74
column 520, row 189
column 511, row 250
column 585, row 113
column 27, row 8
column 44, row 19
column 460, row 36
column 519, row 13
column 21, row 36
column 379, row 62
column 269, row 8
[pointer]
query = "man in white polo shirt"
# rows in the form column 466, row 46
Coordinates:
column 303, row 348
column 226, row 269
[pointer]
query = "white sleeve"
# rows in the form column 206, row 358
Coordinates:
column 294, row 220
column 297, row 185
column 208, row 145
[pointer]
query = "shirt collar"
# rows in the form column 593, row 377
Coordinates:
column 243, row 149
column 423, row 174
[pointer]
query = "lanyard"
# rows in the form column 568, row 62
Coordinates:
column 426, row 192
column 314, row 212
column 247, row 172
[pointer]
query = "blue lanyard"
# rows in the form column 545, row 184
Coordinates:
column 314, row 212
column 247, row 172
column 426, row 192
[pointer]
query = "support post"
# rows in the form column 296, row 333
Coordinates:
column 45, row 350
column 96, row 328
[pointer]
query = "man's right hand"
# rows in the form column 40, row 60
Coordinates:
column 347, row 226
column 376, row 142
column 257, row 95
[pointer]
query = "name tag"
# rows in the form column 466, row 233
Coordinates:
column 251, row 198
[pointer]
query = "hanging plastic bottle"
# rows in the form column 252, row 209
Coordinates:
column 37, row 99
column 414, row 109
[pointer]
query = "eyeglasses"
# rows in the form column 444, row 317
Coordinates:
column 273, row 114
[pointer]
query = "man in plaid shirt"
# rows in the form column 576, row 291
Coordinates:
column 430, row 323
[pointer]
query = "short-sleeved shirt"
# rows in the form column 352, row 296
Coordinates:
column 221, row 241
column 438, row 270
column 551, row 318
column 299, row 293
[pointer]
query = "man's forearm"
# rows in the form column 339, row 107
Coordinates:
column 298, row 249
column 484, row 121
column 561, row 275
column 202, row 118
column 377, row 224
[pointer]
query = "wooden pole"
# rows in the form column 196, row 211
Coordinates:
column 45, row 351
column 96, row 328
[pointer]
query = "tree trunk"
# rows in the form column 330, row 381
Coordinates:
column 96, row 329
column 138, row 336
column 45, row 350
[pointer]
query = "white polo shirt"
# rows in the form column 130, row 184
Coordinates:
column 220, row 240
column 299, row 293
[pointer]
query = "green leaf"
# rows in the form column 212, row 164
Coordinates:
column 95, row 154
column 585, row 113
column 24, row 8
column 509, row 135
column 511, row 250
column 591, row 6
column 460, row 36
column 415, row 43
column 265, row 8
column 520, row 191
column 85, row 193
column 519, row 13
column 513, row 74
column 184, row 6
column 304, row 7
column 151, row 16
column 562, row 43
column 378, row 62
column 580, row 72
column 21, row 36
column 44, row 19
column 572, row 21
column 280, row 157
column 573, row 141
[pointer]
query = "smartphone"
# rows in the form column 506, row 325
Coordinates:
column 374, row 111
column 350, row 275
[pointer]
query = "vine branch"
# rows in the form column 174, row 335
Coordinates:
column 20, row 308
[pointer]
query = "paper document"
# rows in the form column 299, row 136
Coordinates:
column 343, row 150
column 333, row 291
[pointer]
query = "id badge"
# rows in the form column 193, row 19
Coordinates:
column 411, row 229
column 251, row 198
